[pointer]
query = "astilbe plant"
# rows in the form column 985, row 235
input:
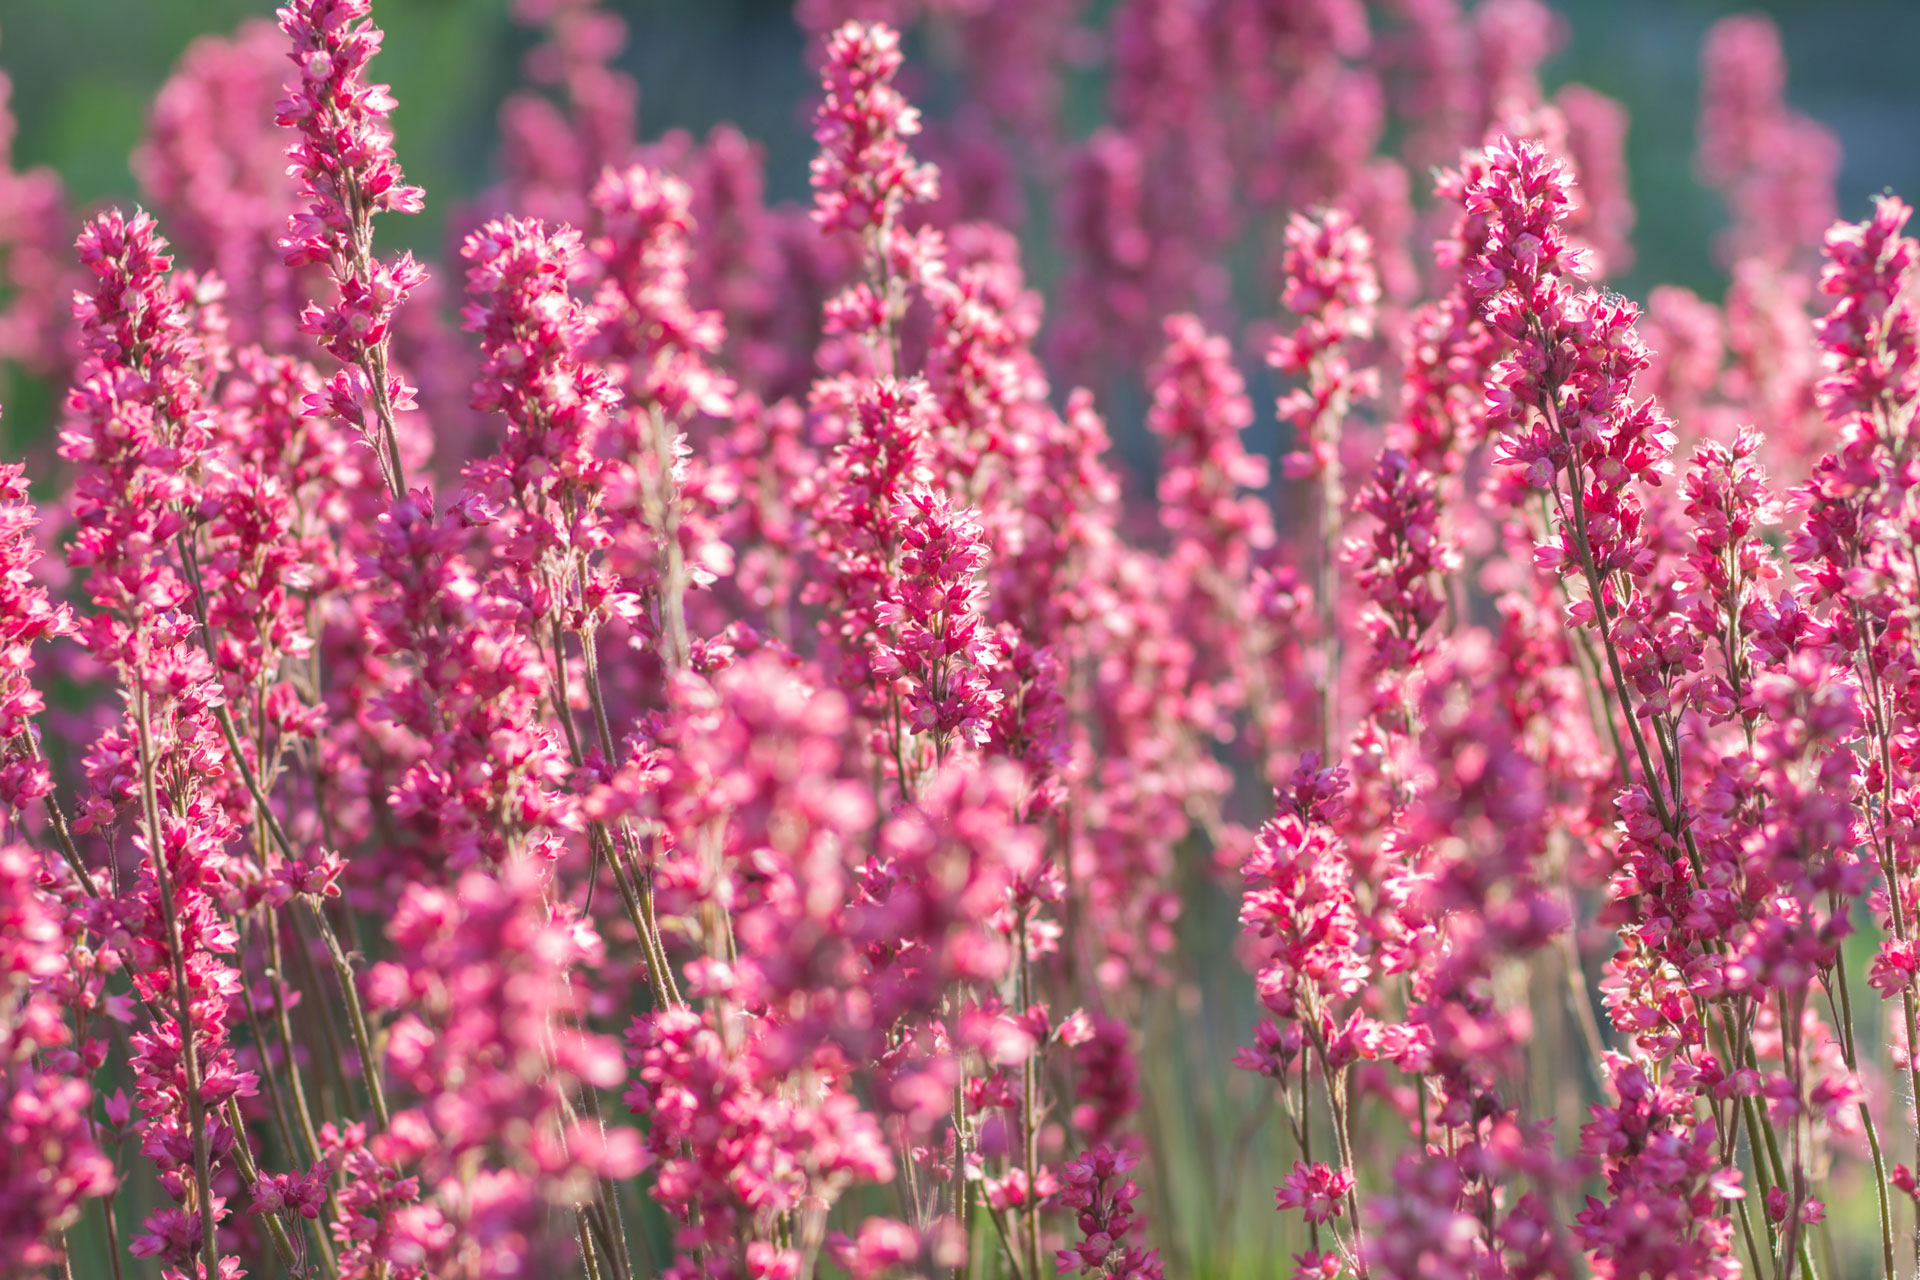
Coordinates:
column 715, row 766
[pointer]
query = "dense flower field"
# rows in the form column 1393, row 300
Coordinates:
column 669, row 743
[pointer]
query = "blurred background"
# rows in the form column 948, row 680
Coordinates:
column 85, row 70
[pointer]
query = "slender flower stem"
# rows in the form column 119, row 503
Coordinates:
column 635, row 882
column 190, row 1053
column 370, row 1070
column 663, row 513
column 1029, row 1111
column 1011, row 1253
column 1332, row 504
column 356, row 1016
column 314, row 995
column 283, row 1024
column 289, row 1256
column 1844, row 1020
column 112, row 1233
column 960, row 1187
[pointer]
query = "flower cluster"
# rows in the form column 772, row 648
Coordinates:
column 345, row 162
column 1097, row 1188
column 36, row 272
column 864, row 173
column 739, row 775
column 52, row 1164
column 31, row 617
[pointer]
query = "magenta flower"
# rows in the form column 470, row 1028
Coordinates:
column 343, row 156
column 748, row 795
column 864, row 173
column 1096, row 1187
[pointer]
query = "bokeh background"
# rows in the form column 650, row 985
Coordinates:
column 84, row 71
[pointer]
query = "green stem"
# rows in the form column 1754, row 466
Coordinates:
column 190, row 1052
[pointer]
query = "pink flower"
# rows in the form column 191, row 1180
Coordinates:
column 1317, row 1191
column 1096, row 1187
column 1893, row 969
column 1332, row 287
column 293, row 1193
column 343, row 156
column 30, row 617
column 863, row 174
column 1776, row 168
column 38, row 272
column 758, row 647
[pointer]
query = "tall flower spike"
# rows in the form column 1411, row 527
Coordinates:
column 1775, row 168
column 1209, row 501
column 1872, row 333
column 1097, row 1188
column 668, row 350
column 138, row 431
column 532, row 332
column 881, row 460
column 1332, row 287
column 932, row 632
column 1563, row 395
column 863, row 173
column 35, row 272
column 1200, row 410
column 347, row 170
column 214, row 164
column 27, row 617
column 1402, row 564
column 863, row 179
column 645, row 317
